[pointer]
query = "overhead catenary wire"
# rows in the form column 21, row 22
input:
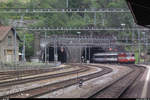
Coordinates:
column 68, row 10
column 80, row 28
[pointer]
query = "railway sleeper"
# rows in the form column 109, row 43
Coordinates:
column 57, row 85
column 118, row 87
column 28, row 73
column 18, row 92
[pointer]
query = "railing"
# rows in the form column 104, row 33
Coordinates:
column 24, row 66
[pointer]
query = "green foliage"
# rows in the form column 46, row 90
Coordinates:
column 117, row 4
column 136, row 57
column 28, row 43
column 4, row 19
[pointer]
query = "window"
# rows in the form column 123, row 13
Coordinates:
column 9, row 40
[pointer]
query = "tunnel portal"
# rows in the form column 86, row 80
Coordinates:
column 61, row 52
column 76, row 48
column 88, row 52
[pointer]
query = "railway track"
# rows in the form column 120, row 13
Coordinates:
column 35, row 92
column 15, row 74
column 119, row 87
column 38, row 78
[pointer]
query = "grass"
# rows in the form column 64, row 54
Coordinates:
column 136, row 57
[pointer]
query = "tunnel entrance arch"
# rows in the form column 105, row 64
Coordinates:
column 60, row 51
column 51, row 54
column 76, row 47
column 87, row 53
column 62, row 54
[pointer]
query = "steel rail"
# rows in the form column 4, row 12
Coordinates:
column 117, row 88
column 53, row 87
column 22, row 81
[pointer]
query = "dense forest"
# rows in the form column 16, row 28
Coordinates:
column 70, row 19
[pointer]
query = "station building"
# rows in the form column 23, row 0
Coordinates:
column 7, row 47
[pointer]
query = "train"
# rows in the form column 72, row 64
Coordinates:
column 114, row 57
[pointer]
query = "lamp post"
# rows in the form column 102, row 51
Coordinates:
column 15, row 46
column 15, row 42
column 123, row 26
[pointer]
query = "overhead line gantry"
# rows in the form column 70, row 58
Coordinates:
column 48, row 10
column 80, row 29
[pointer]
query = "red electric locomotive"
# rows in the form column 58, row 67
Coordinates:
column 126, row 58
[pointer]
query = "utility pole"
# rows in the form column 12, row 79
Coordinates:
column 15, row 47
column 79, row 45
column 123, row 26
column 146, row 41
column 85, row 54
column 103, row 20
column 95, row 19
column 15, row 42
column 23, row 52
column 55, row 51
column 132, row 41
column 45, row 47
column 139, row 46
column 24, row 39
column 144, row 44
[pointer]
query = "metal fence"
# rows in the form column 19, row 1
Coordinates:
column 25, row 66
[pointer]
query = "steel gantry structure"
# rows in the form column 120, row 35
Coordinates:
column 67, row 10
column 86, row 41
column 81, row 29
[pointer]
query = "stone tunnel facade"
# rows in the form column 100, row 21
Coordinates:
column 74, row 45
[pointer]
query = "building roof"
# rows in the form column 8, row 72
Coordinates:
column 140, row 10
column 4, row 30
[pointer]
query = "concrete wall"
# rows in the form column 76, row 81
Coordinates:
column 4, row 47
column 72, row 44
column 75, row 54
column 36, row 44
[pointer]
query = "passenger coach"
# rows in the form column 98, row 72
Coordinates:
column 111, row 57
column 105, row 57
